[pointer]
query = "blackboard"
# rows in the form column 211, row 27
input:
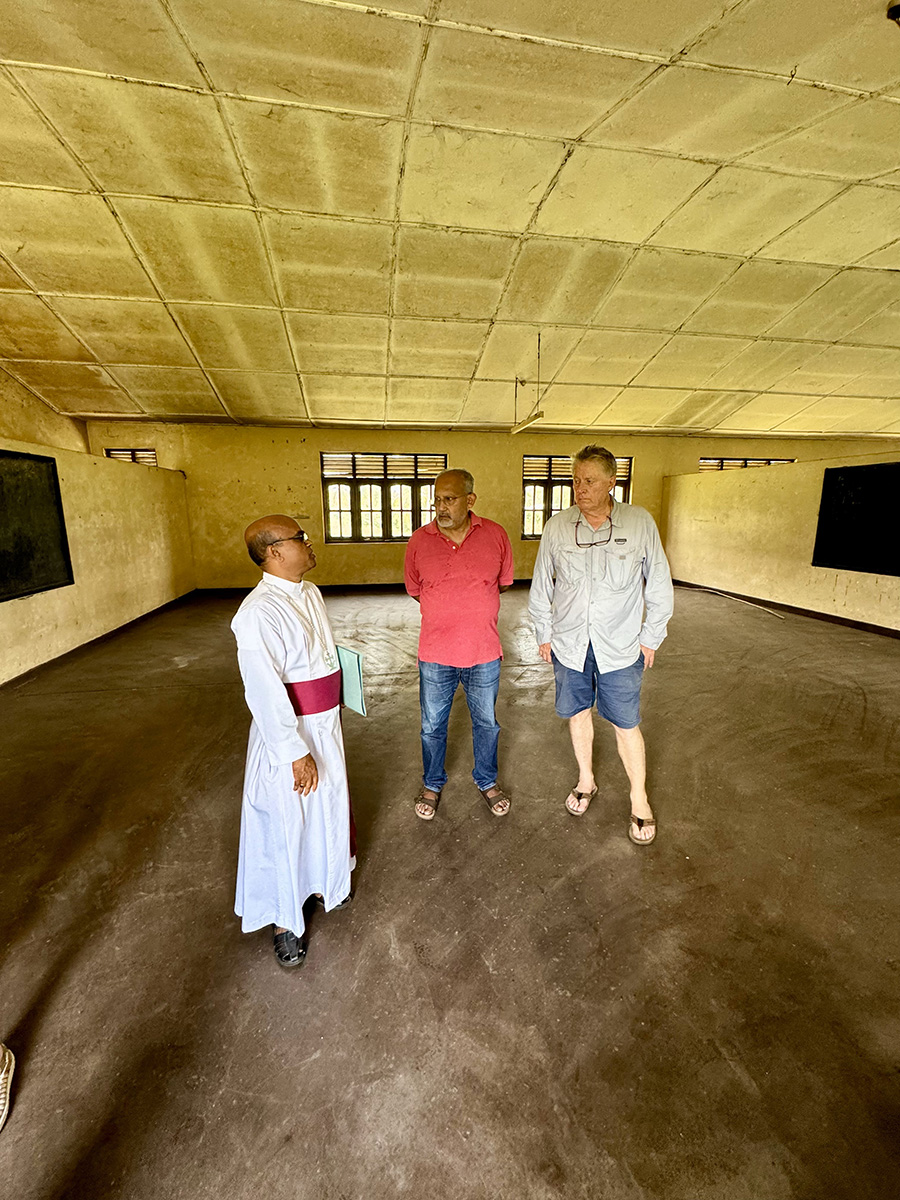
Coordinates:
column 858, row 519
column 34, row 549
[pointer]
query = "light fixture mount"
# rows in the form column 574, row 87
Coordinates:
column 893, row 13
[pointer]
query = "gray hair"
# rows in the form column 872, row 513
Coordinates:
column 599, row 454
column 467, row 477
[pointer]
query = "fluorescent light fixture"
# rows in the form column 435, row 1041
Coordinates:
column 535, row 416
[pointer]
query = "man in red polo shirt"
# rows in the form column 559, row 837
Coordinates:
column 456, row 567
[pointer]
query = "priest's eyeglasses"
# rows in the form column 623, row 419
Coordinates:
column 593, row 542
column 299, row 536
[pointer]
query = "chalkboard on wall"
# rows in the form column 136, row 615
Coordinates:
column 34, row 549
column 857, row 529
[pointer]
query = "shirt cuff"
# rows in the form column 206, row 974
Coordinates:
column 287, row 751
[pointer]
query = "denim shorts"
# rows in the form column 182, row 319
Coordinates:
column 617, row 693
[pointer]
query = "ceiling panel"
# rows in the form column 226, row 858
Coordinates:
column 757, row 294
column 637, row 407
column 856, row 143
column 688, row 360
column 498, row 83
column 259, row 395
column 74, row 387
column 414, row 401
column 29, row 151
column 852, row 225
column 436, row 347
column 763, row 413
column 136, row 138
column 660, row 289
column 126, row 331
column 511, row 351
column 880, row 330
column 580, row 404
column 888, row 257
column 841, row 416
column 831, row 40
column 703, row 409
column 69, row 243
column 9, row 280
column 170, row 391
column 836, row 366
column 338, row 343
column 451, row 274
column 332, row 266
column 28, row 329
column 740, row 210
column 318, row 162
column 711, row 113
column 617, row 194
column 556, row 280
column 660, row 30
column 338, row 58
column 763, row 364
column 611, row 356
column 464, row 179
column 489, row 403
column 197, row 252
column 93, row 36
column 840, row 305
column 247, row 339
column 345, row 397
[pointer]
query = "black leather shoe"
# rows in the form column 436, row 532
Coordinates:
column 290, row 950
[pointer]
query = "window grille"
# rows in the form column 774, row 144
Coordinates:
column 377, row 497
column 547, row 488
column 147, row 457
column 736, row 464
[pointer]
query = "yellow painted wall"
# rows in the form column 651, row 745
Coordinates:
column 24, row 417
column 235, row 474
column 753, row 532
column 127, row 527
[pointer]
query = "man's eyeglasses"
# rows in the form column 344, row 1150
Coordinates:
column 593, row 542
column 299, row 536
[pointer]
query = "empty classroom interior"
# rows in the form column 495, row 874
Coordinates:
column 260, row 238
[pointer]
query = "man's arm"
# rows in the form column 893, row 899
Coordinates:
column 260, row 657
column 659, row 595
column 411, row 578
column 505, row 574
column 540, row 598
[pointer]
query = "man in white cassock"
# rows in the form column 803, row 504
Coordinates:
column 296, row 824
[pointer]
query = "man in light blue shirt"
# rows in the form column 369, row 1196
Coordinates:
column 601, row 598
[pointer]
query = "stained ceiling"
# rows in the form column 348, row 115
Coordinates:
column 312, row 211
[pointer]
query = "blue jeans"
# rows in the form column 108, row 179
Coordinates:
column 437, row 687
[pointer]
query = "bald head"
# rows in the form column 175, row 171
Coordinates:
column 265, row 531
column 458, row 479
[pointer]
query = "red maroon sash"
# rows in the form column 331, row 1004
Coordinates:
column 316, row 695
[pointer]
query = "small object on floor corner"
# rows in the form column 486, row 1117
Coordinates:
column 7, row 1066
column 290, row 950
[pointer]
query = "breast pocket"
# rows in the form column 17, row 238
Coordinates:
column 570, row 567
column 622, row 568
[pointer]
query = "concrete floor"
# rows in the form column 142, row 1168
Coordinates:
column 527, row 1008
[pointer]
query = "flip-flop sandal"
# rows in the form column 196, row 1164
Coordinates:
column 642, row 822
column 493, row 801
column 579, row 796
column 432, row 804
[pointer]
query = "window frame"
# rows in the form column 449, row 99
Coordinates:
column 145, row 455
column 705, row 464
column 622, row 490
column 425, row 469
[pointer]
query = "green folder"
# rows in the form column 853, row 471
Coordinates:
column 351, row 679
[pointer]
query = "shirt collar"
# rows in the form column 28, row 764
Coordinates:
column 286, row 585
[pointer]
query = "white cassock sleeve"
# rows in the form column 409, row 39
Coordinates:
column 261, row 658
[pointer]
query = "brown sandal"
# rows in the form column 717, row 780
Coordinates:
column 641, row 822
column 426, row 803
column 579, row 796
column 493, row 801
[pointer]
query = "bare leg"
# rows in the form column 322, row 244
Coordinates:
column 630, row 744
column 581, row 731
